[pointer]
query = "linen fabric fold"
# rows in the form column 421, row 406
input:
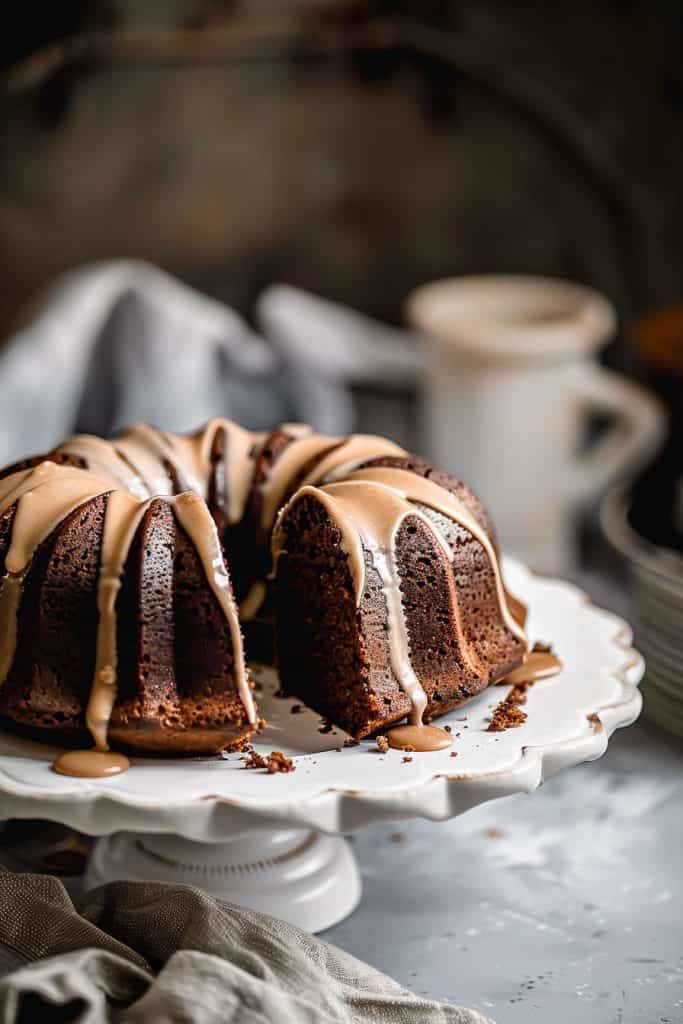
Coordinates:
column 135, row 951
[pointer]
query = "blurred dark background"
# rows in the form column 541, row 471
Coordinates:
column 355, row 149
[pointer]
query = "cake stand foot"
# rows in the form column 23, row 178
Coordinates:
column 306, row 878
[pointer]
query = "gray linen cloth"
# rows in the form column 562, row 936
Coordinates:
column 121, row 342
column 142, row 951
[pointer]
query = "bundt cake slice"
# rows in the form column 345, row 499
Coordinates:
column 388, row 596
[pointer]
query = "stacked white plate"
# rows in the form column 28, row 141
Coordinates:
column 657, row 575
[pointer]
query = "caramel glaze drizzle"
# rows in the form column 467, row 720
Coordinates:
column 368, row 507
column 122, row 518
column 329, row 457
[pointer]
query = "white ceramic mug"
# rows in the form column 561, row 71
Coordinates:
column 510, row 377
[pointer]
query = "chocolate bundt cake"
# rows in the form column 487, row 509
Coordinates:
column 123, row 564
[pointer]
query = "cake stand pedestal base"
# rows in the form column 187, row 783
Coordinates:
column 302, row 876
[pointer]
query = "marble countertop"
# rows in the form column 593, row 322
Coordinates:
column 560, row 905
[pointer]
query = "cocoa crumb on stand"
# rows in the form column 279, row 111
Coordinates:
column 277, row 762
column 274, row 763
column 517, row 694
column 508, row 714
column 253, row 760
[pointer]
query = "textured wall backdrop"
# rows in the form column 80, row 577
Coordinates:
column 356, row 178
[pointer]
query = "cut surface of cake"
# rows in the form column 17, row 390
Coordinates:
column 389, row 577
column 123, row 563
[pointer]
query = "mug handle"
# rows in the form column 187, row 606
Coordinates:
column 636, row 434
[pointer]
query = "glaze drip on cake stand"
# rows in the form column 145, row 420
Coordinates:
column 420, row 738
column 91, row 764
column 537, row 664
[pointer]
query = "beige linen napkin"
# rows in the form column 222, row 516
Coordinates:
column 136, row 951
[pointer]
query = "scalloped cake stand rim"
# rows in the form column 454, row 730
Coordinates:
column 210, row 817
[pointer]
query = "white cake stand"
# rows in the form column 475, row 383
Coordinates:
column 273, row 842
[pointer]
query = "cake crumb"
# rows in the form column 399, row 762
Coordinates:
column 296, row 709
column 253, row 760
column 447, row 728
column 517, row 694
column 239, row 747
column 382, row 743
column 508, row 714
column 406, row 760
column 454, row 753
column 595, row 722
column 541, row 648
column 277, row 762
